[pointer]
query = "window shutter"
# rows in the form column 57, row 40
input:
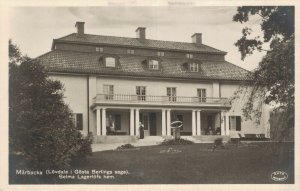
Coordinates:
column 79, row 121
column 238, row 123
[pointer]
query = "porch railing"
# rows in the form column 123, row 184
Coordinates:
column 158, row 99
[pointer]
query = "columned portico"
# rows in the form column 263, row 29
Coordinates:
column 103, row 121
column 223, row 120
column 163, row 122
column 198, row 122
column 137, row 122
column 227, row 132
column 98, row 121
column 193, row 122
column 168, row 122
column 131, row 122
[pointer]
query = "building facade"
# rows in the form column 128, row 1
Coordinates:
column 115, row 84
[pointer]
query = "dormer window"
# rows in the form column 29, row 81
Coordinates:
column 110, row 62
column 160, row 53
column 153, row 64
column 193, row 67
column 99, row 49
column 189, row 56
column 130, row 51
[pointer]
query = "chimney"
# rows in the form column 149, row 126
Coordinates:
column 80, row 28
column 141, row 33
column 197, row 38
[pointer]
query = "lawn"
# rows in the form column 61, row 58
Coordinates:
column 189, row 164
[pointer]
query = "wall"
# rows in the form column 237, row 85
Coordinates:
column 156, row 88
column 75, row 95
column 248, row 126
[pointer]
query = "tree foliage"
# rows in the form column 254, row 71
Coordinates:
column 40, row 123
column 273, row 80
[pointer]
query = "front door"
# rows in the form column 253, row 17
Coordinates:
column 152, row 124
column 145, row 121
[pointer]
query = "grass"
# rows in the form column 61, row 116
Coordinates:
column 195, row 164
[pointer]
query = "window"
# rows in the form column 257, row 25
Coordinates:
column 160, row 53
column 171, row 93
column 141, row 92
column 108, row 91
column 201, row 95
column 153, row 64
column 99, row 49
column 110, row 62
column 77, row 120
column 130, row 51
column 193, row 67
column 189, row 56
column 235, row 123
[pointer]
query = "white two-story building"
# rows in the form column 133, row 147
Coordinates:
column 113, row 83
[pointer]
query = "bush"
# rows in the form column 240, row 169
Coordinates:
column 126, row 146
column 176, row 142
column 41, row 129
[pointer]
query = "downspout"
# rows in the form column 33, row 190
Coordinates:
column 88, row 104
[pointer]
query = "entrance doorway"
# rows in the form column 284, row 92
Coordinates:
column 149, row 122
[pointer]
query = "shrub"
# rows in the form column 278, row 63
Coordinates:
column 126, row 146
column 176, row 142
column 41, row 129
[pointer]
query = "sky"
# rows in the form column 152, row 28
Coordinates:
column 34, row 28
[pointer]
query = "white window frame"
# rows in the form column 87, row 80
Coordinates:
column 160, row 53
column 99, row 49
column 153, row 64
column 172, row 93
column 189, row 56
column 193, row 67
column 141, row 93
column 130, row 51
column 201, row 92
column 108, row 91
column 109, row 63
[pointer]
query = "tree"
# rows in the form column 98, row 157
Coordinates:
column 40, row 123
column 273, row 81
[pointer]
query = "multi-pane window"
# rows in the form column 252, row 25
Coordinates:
column 153, row 64
column 141, row 93
column 108, row 91
column 159, row 53
column 78, row 121
column 171, row 93
column 235, row 123
column 201, row 95
column 99, row 49
column 110, row 62
column 130, row 51
column 189, row 56
column 193, row 67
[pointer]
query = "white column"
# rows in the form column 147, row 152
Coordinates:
column 163, row 122
column 227, row 131
column 98, row 121
column 222, row 123
column 168, row 122
column 137, row 122
column 131, row 121
column 199, row 122
column 193, row 123
column 103, row 121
